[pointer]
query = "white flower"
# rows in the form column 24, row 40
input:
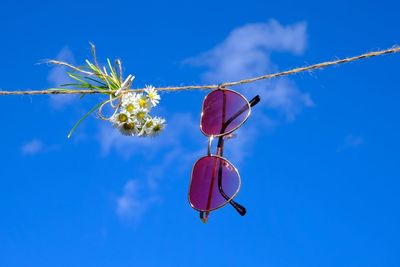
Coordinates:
column 137, row 99
column 147, row 127
column 144, row 102
column 141, row 114
column 130, row 98
column 131, row 102
column 119, row 118
column 124, row 122
column 132, row 117
column 130, row 108
column 129, row 128
column 158, row 126
column 152, row 95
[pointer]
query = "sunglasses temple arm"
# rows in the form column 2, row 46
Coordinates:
column 239, row 208
column 203, row 216
column 252, row 103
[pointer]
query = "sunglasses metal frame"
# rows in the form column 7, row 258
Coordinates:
column 234, row 129
column 227, row 201
column 219, row 154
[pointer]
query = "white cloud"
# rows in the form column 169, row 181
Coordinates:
column 351, row 141
column 36, row 146
column 58, row 76
column 134, row 201
column 166, row 157
column 33, row 147
column 140, row 195
column 246, row 53
column 170, row 148
column 284, row 96
column 181, row 128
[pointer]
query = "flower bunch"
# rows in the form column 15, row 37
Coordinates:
column 131, row 109
column 132, row 117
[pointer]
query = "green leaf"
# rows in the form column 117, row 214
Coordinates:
column 113, row 73
column 84, row 117
column 108, row 83
column 92, row 66
column 110, row 66
column 98, row 87
column 70, row 84
column 76, row 77
column 94, row 80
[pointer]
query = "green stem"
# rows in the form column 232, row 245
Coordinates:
column 84, row 117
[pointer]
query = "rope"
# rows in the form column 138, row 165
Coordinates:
column 57, row 91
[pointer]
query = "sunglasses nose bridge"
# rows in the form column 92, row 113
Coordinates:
column 210, row 139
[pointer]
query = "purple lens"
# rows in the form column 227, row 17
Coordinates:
column 223, row 111
column 206, row 192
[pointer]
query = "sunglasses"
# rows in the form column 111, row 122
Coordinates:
column 215, row 181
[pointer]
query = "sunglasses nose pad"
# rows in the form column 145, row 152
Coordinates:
column 230, row 136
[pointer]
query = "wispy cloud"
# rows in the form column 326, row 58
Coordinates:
column 134, row 201
column 33, row 147
column 58, row 76
column 351, row 141
column 283, row 96
column 182, row 129
column 166, row 157
column 246, row 52
column 139, row 196
column 36, row 146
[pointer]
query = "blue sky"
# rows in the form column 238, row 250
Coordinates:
column 318, row 158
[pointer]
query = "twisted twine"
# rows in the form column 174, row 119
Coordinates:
column 57, row 91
